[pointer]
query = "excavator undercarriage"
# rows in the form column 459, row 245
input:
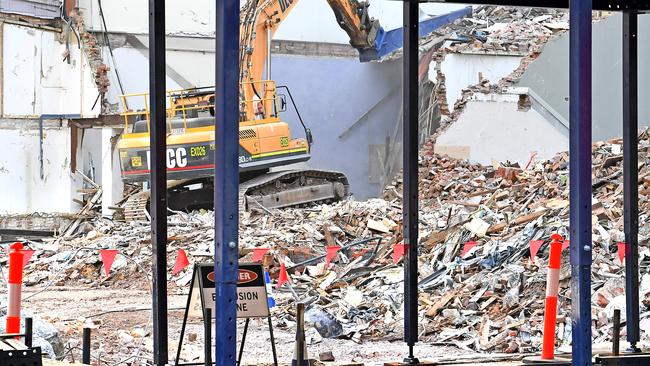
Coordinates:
column 289, row 188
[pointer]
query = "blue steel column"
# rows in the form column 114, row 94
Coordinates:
column 158, row 179
column 226, row 180
column 410, row 172
column 580, row 177
column 631, row 176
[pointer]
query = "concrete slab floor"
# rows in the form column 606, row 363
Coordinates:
column 122, row 315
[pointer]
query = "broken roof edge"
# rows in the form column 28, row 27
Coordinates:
column 42, row 9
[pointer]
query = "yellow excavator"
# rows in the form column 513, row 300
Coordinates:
column 266, row 142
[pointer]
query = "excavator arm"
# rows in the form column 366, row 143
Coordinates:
column 353, row 17
column 260, row 20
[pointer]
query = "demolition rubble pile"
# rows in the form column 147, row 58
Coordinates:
column 510, row 30
column 491, row 299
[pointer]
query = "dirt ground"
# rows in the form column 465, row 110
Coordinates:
column 122, row 334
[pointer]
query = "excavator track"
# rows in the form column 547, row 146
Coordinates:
column 292, row 188
column 272, row 190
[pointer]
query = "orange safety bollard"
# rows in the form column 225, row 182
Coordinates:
column 15, row 288
column 552, row 288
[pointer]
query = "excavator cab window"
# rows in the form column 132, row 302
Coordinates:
column 283, row 103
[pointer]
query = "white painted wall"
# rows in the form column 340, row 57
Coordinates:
column 23, row 190
column 35, row 79
column 111, row 181
column 489, row 131
column 134, row 73
column 311, row 20
column 463, row 70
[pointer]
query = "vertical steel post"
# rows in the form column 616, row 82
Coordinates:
column 301, row 357
column 207, row 330
column 580, row 177
column 226, row 180
column 29, row 331
column 616, row 332
column 410, row 175
column 631, row 176
column 85, row 347
column 157, row 144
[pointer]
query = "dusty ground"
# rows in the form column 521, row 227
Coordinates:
column 122, row 316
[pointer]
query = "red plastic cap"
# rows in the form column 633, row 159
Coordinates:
column 557, row 237
column 17, row 246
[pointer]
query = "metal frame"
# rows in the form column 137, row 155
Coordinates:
column 631, row 176
column 226, row 182
column 158, row 208
column 410, row 111
column 580, row 178
column 226, row 168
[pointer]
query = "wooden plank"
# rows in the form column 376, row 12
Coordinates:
column 16, row 344
column 518, row 221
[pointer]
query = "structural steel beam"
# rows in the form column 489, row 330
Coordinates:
column 157, row 144
column 631, row 176
column 226, row 183
column 410, row 175
column 580, row 177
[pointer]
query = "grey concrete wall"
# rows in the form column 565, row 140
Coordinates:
column 548, row 76
column 490, row 131
column 332, row 95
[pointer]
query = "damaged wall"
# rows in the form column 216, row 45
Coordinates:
column 40, row 76
column 38, row 81
column 496, row 130
column 23, row 189
column 548, row 76
column 463, row 69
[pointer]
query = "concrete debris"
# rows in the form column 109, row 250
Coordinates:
column 497, row 29
column 45, row 335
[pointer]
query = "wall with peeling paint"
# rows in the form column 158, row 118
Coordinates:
column 37, row 81
column 23, row 189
